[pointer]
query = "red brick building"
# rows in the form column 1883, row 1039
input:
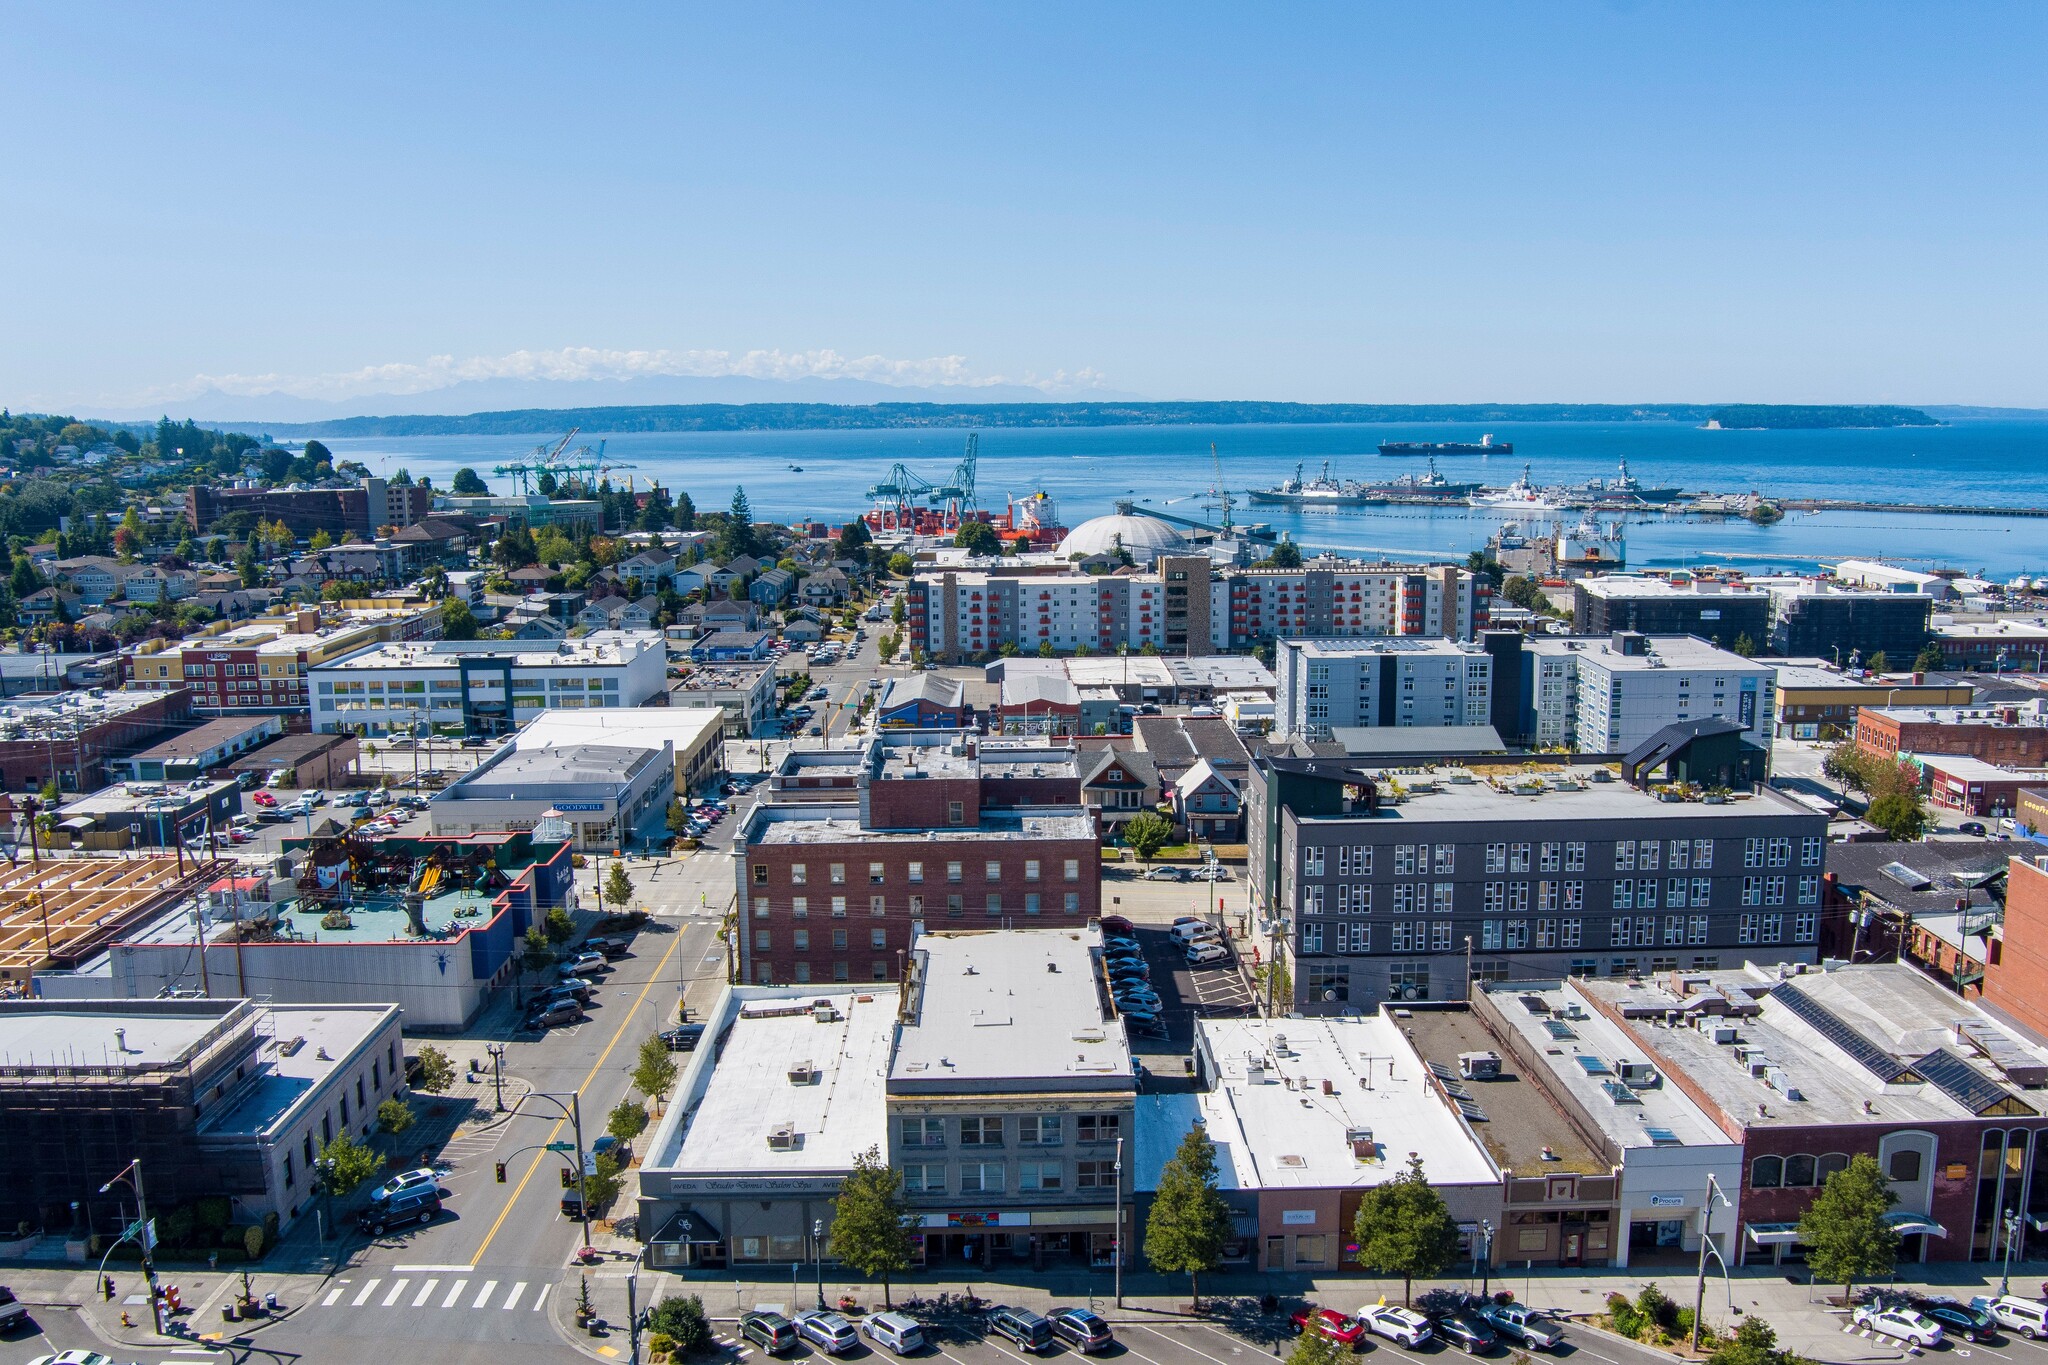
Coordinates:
column 2016, row 977
column 928, row 829
column 68, row 737
column 2009, row 736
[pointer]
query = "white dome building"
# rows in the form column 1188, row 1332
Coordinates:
column 1146, row 538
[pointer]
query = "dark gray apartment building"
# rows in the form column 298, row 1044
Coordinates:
column 1392, row 887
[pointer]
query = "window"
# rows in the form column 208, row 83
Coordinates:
column 953, row 873
column 1405, row 936
column 1496, row 858
column 1312, row 900
column 1774, row 928
column 1649, row 853
column 1703, row 853
column 1746, row 930
column 1681, row 854
column 1439, row 936
column 1676, row 894
column 878, row 938
column 839, row 938
column 1496, row 898
column 955, row 814
column 803, row 971
column 981, row 1132
column 1404, row 859
column 760, row 874
column 1518, row 857
column 1311, row 860
column 1039, row 1130
column 1098, row 1127
column 1696, row 929
column 799, row 907
column 994, row 903
column 1569, row 937
column 956, row 906
column 1095, row 1175
column 1752, row 890
column 763, row 940
column 1646, row 893
column 1805, row 927
column 878, row 970
column 1038, row 1175
column 1309, row 1250
column 924, row 1178
column 1073, row 869
column 1781, row 852
column 1625, row 855
column 980, row 1177
column 1774, row 891
column 800, row 939
column 1440, row 898
column 1574, row 896
column 875, row 877
column 915, row 873
column 1073, row 902
column 1799, row 1171
column 1446, row 859
column 1030, row 902
column 1903, row 1167
column 838, row 874
column 877, row 906
column 1354, row 938
column 1489, row 935
column 1575, row 857
column 1310, row 938
column 1810, row 851
column 1621, row 932
column 1518, row 933
column 1752, row 853
column 1404, row 899
column 1702, row 890
column 992, row 872
column 839, row 907
column 1552, row 852
column 1809, row 891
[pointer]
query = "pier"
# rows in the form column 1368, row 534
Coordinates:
column 1925, row 508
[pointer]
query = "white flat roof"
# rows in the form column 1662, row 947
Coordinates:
column 643, row 727
column 835, row 1116
column 1010, row 1005
column 604, row 648
column 1278, row 1130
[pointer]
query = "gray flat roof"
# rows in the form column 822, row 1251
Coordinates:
column 564, row 763
column 1438, row 795
column 1017, row 1005
column 822, row 824
column 1420, row 740
column 331, row 1034
column 136, row 1034
column 211, row 735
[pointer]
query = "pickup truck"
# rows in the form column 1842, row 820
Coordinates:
column 1525, row 1325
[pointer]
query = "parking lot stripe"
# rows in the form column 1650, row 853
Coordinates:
column 512, row 1299
column 426, row 1292
column 1144, row 1327
column 483, row 1296
column 397, row 1288
column 454, row 1293
column 541, row 1298
column 368, row 1289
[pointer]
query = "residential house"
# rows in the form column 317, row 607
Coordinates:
column 532, row 627
column 45, row 605
column 600, row 614
column 638, row 615
column 95, row 578
column 730, row 615
column 825, row 588
column 649, row 567
column 1118, row 783
column 1208, row 804
column 693, row 578
column 532, row 578
column 149, row 585
column 771, row 587
column 433, row 541
column 803, row 631
column 1037, row 704
column 746, row 566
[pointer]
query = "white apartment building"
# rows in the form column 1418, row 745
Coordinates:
column 1605, row 696
column 1324, row 685
column 486, row 686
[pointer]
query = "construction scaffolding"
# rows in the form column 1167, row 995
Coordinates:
column 59, row 911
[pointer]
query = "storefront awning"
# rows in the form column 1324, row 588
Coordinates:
column 688, row 1226
column 1244, row 1225
column 1905, row 1224
column 1772, row 1234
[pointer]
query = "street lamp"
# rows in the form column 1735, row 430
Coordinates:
column 1485, row 1257
column 131, row 1176
column 497, row 1051
column 818, row 1257
column 2012, row 1233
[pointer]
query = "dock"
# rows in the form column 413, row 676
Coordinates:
column 1920, row 508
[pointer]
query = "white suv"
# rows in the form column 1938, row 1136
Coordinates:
column 1395, row 1324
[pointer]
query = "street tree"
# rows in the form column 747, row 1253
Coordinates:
column 1900, row 814
column 1755, row 1343
column 1147, row 832
column 1286, row 555
column 678, row 819
column 681, row 1318
column 1878, row 663
column 601, row 1180
column 536, row 954
column 1403, row 1228
column 1847, row 1240
column 344, row 1165
column 1928, row 660
column 618, row 887
column 558, row 926
column 1190, row 1221
column 437, row 1070
column 654, row 1069
column 627, row 1120
column 978, row 538
column 458, row 622
column 394, row 1116
column 1313, row 1348
column 868, row 1231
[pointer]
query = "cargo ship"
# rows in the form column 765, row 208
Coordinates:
column 1485, row 445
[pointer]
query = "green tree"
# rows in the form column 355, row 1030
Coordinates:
column 1313, row 1348
column 627, row 1120
column 1190, row 1221
column 897, row 612
column 1878, row 663
column 736, row 537
column 654, row 1069
column 1848, row 765
column 1928, row 660
column 678, row 819
column 1286, row 555
column 536, row 955
column 1524, row 592
column 853, row 536
column 1847, row 1240
column 344, row 1164
column 315, row 452
column 618, row 887
column 1900, row 814
column 468, row 484
column 558, row 925
column 320, row 541
column 681, row 1318
column 458, row 622
column 1045, row 650
column 601, row 1180
column 684, row 515
column 1403, row 1228
column 900, row 565
column 437, row 1070
column 978, row 538
column 515, row 549
column 1147, row 833
column 394, row 1116
column 868, row 1231
column 246, row 567
column 1745, row 646
column 1754, row 1343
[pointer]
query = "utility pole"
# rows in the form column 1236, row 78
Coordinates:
column 1119, row 1240
column 1699, row 1288
column 132, row 1175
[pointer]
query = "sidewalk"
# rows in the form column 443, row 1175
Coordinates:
column 1803, row 1320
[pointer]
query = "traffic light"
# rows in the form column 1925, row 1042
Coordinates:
column 501, row 1173
column 566, row 1181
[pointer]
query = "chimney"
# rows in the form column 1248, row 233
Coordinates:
column 121, row 1041
column 307, row 621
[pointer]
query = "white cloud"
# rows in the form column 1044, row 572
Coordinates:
column 594, row 363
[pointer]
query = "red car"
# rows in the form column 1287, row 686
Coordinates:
column 263, row 799
column 1332, row 1325
column 1118, row 926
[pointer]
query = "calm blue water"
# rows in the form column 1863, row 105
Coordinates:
column 1086, row 469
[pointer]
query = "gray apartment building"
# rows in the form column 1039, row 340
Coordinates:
column 1386, row 887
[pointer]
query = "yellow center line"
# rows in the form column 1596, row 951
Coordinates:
column 595, row 1067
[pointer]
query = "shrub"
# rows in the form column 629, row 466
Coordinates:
column 681, row 1318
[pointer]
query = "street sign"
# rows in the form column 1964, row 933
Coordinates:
column 561, row 1146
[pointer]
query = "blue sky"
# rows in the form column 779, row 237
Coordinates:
column 1433, row 202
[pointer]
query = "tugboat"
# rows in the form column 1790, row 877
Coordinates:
column 1485, row 446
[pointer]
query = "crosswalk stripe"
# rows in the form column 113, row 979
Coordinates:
column 426, row 1291
column 512, row 1299
column 483, row 1296
column 397, row 1288
column 332, row 1295
column 454, row 1293
column 368, row 1289
column 542, row 1297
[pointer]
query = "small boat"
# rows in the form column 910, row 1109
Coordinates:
column 796, row 469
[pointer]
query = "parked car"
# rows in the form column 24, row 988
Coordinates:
column 1118, row 926
column 1396, row 1324
column 1207, row 954
column 264, row 799
column 1142, row 998
column 1187, row 931
column 554, row 1014
column 13, row 1312
column 1957, row 1319
column 571, row 988
column 418, row 1204
column 1975, row 827
column 683, row 1037
column 1022, row 1326
column 584, row 964
column 1903, row 1324
column 1166, row 874
column 1329, row 1323
column 897, row 1332
column 2028, row 1317
column 828, row 1332
column 610, row 948
column 1525, row 1325
column 772, row 1332
column 1466, row 1331
column 1082, row 1329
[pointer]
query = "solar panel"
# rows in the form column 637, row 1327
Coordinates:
column 1832, row 1027
column 1966, row 1085
column 1558, row 1029
column 1592, row 1066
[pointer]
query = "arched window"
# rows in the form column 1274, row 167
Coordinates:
column 1767, row 1173
column 1798, row 1171
column 1829, row 1164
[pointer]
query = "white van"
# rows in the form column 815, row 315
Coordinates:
column 1189, row 934
column 2028, row 1317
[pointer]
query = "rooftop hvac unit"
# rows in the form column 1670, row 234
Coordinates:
column 782, row 1139
column 1479, row 1066
column 803, row 1073
column 1254, row 1068
column 1723, row 1034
